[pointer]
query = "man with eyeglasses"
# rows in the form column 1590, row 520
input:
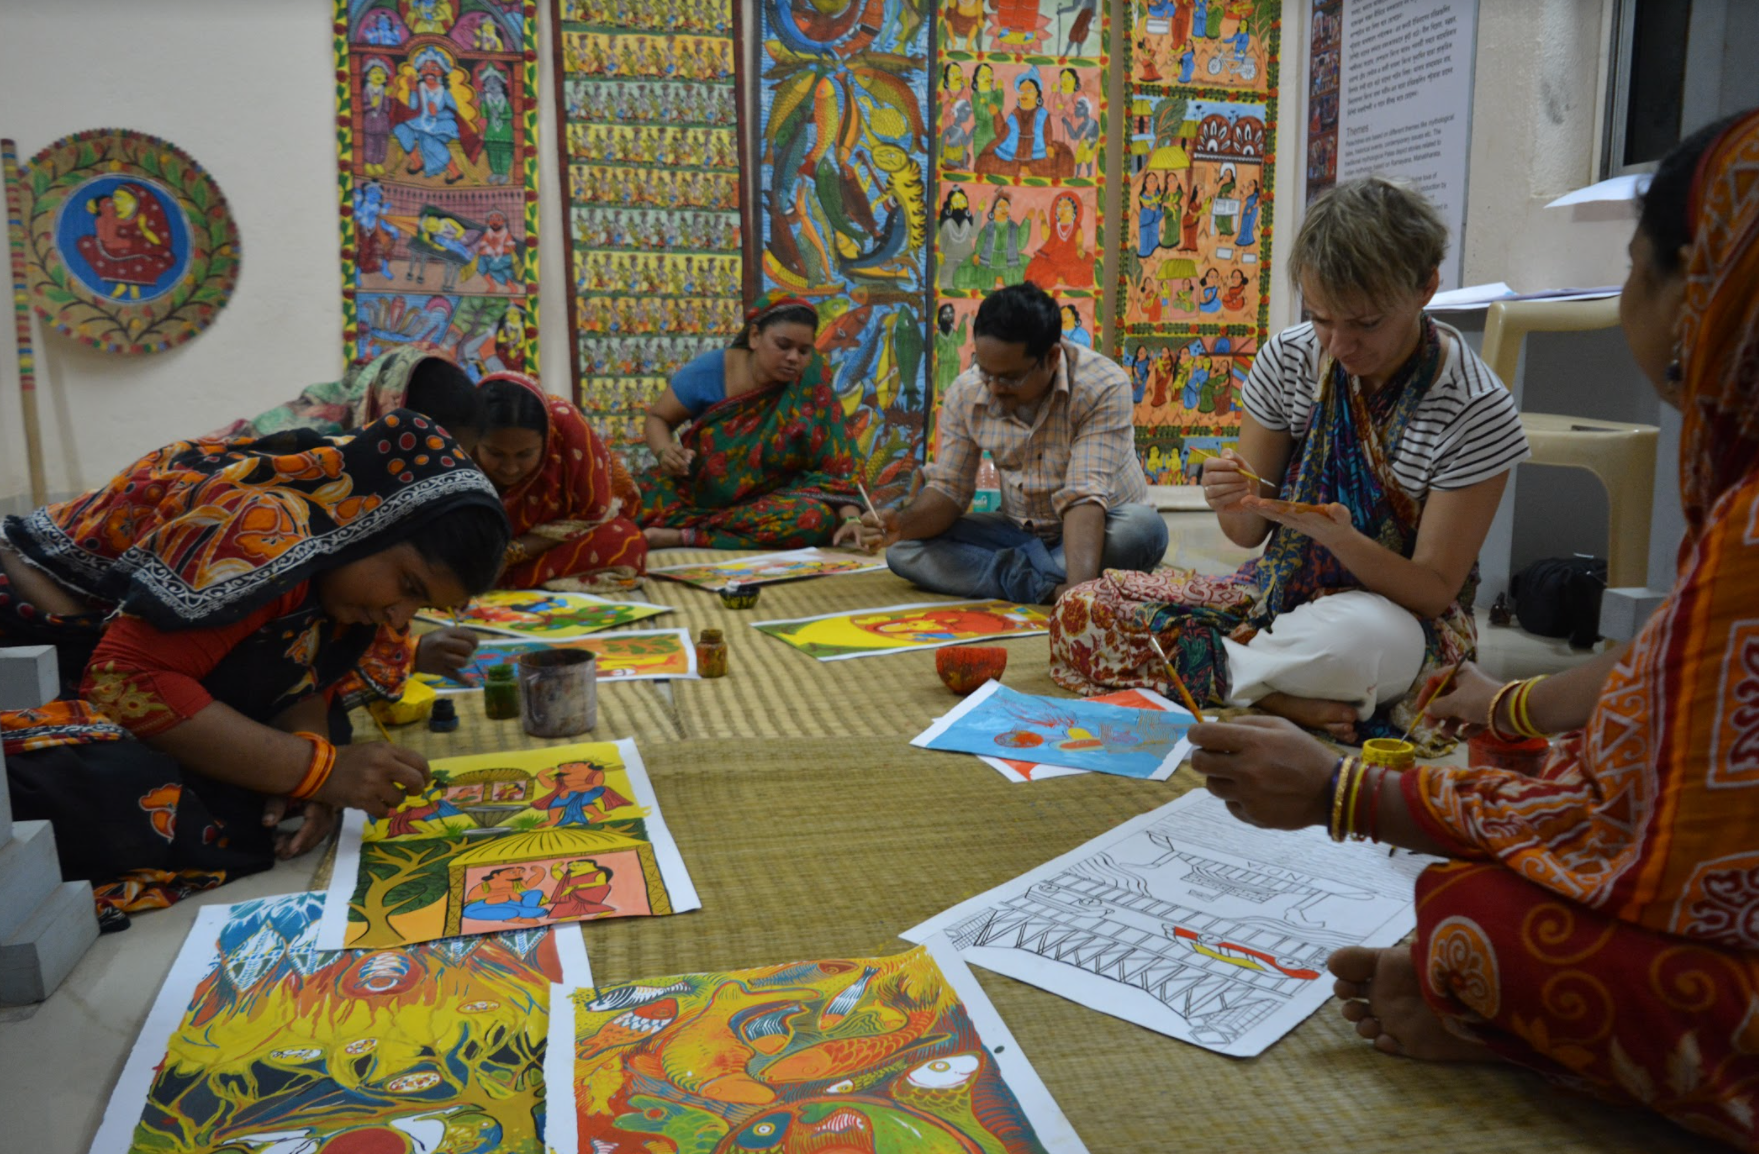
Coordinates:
column 1057, row 419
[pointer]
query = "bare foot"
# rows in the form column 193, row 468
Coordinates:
column 1382, row 995
column 1337, row 718
column 663, row 538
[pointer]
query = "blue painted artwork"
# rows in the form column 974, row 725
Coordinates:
column 123, row 237
column 998, row 722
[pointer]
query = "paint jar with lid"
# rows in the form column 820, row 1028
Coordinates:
column 501, row 692
column 711, row 654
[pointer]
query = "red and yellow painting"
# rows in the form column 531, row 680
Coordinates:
column 858, row 1054
column 542, row 615
column 502, row 840
column 897, row 628
column 634, row 655
column 260, row 1041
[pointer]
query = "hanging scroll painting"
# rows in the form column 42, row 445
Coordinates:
column 1021, row 119
column 129, row 246
column 650, row 143
column 436, row 134
column 844, row 217
column 1195, row 287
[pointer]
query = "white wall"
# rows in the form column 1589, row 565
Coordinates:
column 246, row 88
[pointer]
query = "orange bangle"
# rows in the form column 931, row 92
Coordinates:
column 323, row 761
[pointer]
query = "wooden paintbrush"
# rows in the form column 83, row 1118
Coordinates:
column 1432, row 695
column 1178, row 682
column 1238, row 464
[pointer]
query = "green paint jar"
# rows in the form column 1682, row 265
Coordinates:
column 501, row 692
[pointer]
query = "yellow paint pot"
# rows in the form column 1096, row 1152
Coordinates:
column 1390, row 752
column 415, row 705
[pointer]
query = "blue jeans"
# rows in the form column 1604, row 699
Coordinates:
column 987, row 555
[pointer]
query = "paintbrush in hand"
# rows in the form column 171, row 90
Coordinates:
column 1238, row 464
column 1429, row 698
column 1178, row 682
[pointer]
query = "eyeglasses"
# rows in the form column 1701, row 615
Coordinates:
column 1011, row 382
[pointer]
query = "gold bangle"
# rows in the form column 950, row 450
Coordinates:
column 1359, row 770
column 1496, row 704
column 1335, row 827
column 1518, row 709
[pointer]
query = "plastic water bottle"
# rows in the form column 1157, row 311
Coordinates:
column 988, row 497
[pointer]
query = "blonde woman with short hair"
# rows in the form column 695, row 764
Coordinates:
column 1373, row 451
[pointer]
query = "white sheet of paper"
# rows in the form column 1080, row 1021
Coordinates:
column 1471, row 297
column 1213, row 924
column 982, row 693
column 333, row 929
column 1042, row 772
column 197, row 958
column 561, row 1131
column 1616, row 188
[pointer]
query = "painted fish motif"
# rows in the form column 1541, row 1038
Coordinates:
column 622, row 996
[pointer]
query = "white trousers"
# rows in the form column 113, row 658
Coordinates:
column 1356, row 647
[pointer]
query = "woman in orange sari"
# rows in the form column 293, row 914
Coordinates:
column 569, row 500
column 1599, row 921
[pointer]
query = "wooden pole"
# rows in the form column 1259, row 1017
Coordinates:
column 21, row 307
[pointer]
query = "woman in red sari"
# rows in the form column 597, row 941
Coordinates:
column 567, row 497
column 1062, row 261
column 1599, row 921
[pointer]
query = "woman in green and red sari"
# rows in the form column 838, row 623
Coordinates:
column 764, row 460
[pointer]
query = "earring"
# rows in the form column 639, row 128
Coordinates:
column 1675, row 374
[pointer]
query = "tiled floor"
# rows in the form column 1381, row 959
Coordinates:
column 59, row 1060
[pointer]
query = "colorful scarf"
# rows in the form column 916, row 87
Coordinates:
column 200, row 533
column 789, row 439
column 1651, row 813
column 578, row 481
column 367, row 391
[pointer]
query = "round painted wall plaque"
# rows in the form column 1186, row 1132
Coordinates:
column 130, row 246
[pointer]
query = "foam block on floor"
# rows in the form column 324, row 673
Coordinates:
column 43, row 951
column 29, row 676
column 29, row 871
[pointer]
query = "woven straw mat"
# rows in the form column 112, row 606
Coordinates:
column 808, row 838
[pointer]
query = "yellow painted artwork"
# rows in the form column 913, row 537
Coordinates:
column 504, row 841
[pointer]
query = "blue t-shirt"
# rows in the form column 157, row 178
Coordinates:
column 702, row 382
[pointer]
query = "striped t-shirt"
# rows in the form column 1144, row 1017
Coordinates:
column 1465, row 430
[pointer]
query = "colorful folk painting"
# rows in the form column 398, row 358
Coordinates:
column 900, row 628
column 1017, row 771
column 649, row 140
column 1073, row 732
column 1188, row 922
column 843, row 215
column 1229, row 44
column 129, row 246
column 844, row 1055
column 1021, row 122
column 633, row 655
column 768, row 568
column 1187, row 390
column 569, row 833
column 261, row 1042
column 541, row 615
column 1195, row 286
column 1325, row 47
column 437, row 140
